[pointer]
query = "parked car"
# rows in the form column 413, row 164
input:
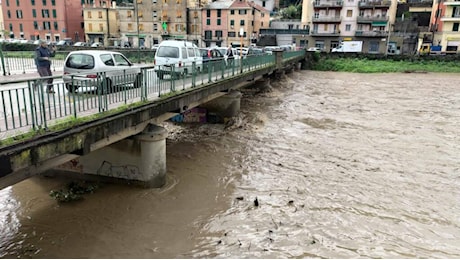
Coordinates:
column 81, row 44
column 96, row 44
column 314, row 49
column 177, row 55
column 211, row 58
column 65, row 42
column 86, row 68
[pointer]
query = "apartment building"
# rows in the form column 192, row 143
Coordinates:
column 194, row 23
column 2, row 23
column 215, row 23
column 101, row 23
column 445, row 23
column 333, row 21
column 52, row 20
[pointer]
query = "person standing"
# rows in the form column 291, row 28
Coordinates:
column 42, row 59
column 230, row 56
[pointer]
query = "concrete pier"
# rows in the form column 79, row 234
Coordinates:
column 141, row 159
column 225, row 106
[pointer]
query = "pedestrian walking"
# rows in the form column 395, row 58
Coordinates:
column 42, row 59
column 230, row 56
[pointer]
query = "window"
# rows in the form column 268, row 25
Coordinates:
column 53, row 2
column 316, row 15
column 44, row 2
column 244, row 12
column 232, row 12
column 56, row 27
column 218, row 21
column 154, row 14
column 32, row 2
column 261, row 24
column 89, row 14
column 130, row 26
column 139, row 1
column 208, row 21
column 140, row 13
column 360, row 27
column 45, row 13
column 46, row 25
column 17, row 2
column 263, row 4
column 54, row 13
column 347, row 27
column 165, row 1
column 141, row 27
column 373, row 46
column 241, row 22
column 90, row 27
column 349, row 13
column 179, row 14
column 208, row 35
column 191, row 52
column 219, row 33
column 82, row 25
column 8, row 13
column 107, row 59
column 130, row 14
column 231, row 34
column 154, row 1
column 208, row 13
column 262, row 14
column 99, row 14
column 184, row 52
column 120, row 60
column 178, row 2
column 20, row 27
column 455, row 27
column 232, row 23
column 219, row 13
column 155, row 27
column 35, row 25
column 195, row 14
column 101, row 27
column 11, row 27
column 19, row 14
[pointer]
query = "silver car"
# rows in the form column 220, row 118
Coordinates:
column 97, row 68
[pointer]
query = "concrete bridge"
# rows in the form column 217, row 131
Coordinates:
column 120, row 140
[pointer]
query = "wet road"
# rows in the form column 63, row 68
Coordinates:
column 341, row 165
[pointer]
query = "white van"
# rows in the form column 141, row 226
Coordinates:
column 180, row 54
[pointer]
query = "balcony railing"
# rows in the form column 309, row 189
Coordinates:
column 319, row 34
column 326, row 4
column 450, row 18
column 370, row 19
column 371, row 33
column 327, row 19
column 451, row 2
column 372, row 4
column 284, row 31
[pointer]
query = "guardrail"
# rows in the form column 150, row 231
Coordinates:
column 25, row 106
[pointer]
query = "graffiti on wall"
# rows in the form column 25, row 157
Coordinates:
column 121, row 171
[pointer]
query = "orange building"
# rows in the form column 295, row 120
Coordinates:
column 51, row 20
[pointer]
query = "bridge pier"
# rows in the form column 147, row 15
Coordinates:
column 225, row 106
column 139, row 160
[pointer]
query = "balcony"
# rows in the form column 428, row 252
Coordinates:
column 378, row 34
column 284, row 31
column 327, row 4
column 213, row 39
column 325, row 34
column 421, row 3
column 372, row 19
column 451, row 2
column 375, row 4
column 451, row 18
column 327, row 19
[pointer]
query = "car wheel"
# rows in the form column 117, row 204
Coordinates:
column 71, row 88
column 138, row 81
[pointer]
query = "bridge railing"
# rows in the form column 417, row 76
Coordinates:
column 26, row 106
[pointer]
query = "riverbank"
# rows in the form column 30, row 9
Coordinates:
column 366, row 65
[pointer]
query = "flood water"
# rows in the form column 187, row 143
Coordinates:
column 326, row 165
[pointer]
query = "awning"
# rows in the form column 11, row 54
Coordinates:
column 135, row 35
column 95, row 33
column 379, row 23
column 453, row 43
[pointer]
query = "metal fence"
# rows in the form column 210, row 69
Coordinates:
column 26, row 106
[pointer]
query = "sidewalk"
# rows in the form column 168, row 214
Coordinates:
column 24, row 76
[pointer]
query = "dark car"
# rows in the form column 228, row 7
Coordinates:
column 211, row 58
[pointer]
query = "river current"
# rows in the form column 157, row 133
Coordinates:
column 325, row 165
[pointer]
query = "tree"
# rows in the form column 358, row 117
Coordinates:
column 291, row 12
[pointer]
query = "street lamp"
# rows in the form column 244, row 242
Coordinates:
column 241, row 49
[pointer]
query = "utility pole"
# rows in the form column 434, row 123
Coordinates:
column 138, row 34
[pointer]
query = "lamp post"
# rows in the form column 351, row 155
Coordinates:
column 241, row 49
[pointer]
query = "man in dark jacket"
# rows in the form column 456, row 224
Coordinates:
column 42, row 59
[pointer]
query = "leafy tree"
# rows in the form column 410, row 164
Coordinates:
column 291, row 12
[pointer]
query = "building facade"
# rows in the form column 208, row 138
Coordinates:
column 445, row 18
column 51, row 20
column 101, row 23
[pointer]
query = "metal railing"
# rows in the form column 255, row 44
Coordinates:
column 26, row 106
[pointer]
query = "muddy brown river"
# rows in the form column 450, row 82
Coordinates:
column 326, row 165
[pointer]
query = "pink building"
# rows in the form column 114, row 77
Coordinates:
column 215, row 24
column 51, row 20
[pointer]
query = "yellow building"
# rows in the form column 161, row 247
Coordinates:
column 101, row 24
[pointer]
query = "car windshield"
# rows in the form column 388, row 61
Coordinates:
column 168, row 52
column 80, row 61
